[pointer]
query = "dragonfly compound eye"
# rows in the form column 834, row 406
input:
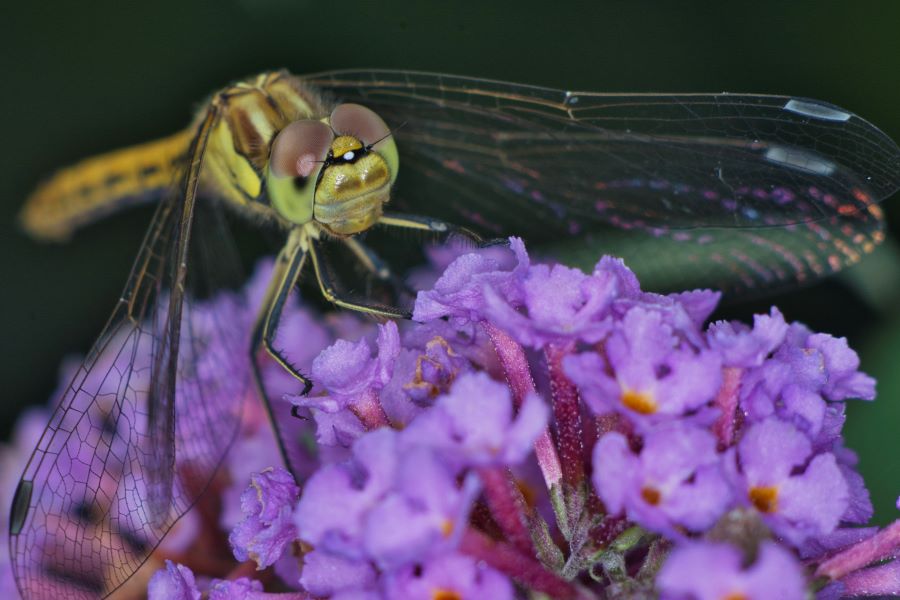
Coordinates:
column 298, row 156
column 366, row 126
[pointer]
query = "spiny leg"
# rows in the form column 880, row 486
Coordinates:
column 376, row 265
column 288, row 266
column 287, row 269
column 330, row 292
column 415, row 222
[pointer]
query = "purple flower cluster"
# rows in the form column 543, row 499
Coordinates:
column 542, row 430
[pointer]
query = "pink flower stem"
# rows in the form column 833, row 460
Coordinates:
column 513, row 360
column 518, row 376
column 567, row 414
column 522, row 567
column 883, row 544
column 369, row 410
column 727, row 402
column 507, row 506
column 883, row 580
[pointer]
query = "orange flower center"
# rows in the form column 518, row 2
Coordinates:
column 764, row 498
column 651, row 495
column 447, row 527
column 445, row 595
column 639, row 402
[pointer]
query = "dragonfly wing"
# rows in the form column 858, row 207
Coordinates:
column 552, row 165
column 144, row 423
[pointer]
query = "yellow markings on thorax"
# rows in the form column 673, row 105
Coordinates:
column 235, row 161
column 97, row 186
column 239, row 146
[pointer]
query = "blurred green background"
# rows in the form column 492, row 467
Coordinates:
column 84, row 77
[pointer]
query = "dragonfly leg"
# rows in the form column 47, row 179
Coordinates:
column 331, row 293
column 428, row 224
column 288, row 265
column 287, row 269
column 376, row 265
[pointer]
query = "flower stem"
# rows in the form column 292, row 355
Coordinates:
column 507, row 506
column 727, row 401
column 567, row 413
column 881, row 545
column 518, row 376
column 521, row 567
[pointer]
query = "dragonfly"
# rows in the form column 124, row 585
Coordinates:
column 742, row 192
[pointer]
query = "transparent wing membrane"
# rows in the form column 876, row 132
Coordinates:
column 142, row 427
column 683, row 169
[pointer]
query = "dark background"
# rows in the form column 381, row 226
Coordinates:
column 85, row 77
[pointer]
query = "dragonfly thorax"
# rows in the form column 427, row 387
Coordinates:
column 336, row 172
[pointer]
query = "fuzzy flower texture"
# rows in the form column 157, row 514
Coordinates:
column 539, row 432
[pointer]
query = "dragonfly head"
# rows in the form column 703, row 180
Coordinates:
column 337, row 171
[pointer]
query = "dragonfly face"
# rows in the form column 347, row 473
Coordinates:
column 337, row 171
column 738, row 192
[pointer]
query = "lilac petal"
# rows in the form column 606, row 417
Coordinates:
column 426, row 514
column 796, row 505
column 841, row 363
column 531, row 421
column 475, row 412
column 672, row 453
column 588, row 371
column 325, row 574
column 336, row 429
column 775, row 574
column 803, row 408
column 676, row 480
column 693, row 381
column 459, row 292
column 626, row 281
column 616, row 471
column 450, row 576
column 744, row 347
column 267, row 527
column 558, row 303
column 770, row 450
column 175, row 582
column 859, row 509
column 814, row 501
column 347, row 370
column 473, row 424
column 644, row 334
column 652, row 379
column 699, row 505
column 700, row 571
column 680, row 317
column 698, row 304
column 805, row 368
column 343, row 367
column 239, row 589
column 711, row 571
column 337, row 498
column 357, row 595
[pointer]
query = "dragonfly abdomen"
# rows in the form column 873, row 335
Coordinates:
column 98, row 186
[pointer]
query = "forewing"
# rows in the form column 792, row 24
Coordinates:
column 700, row 179
column 145, row 421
